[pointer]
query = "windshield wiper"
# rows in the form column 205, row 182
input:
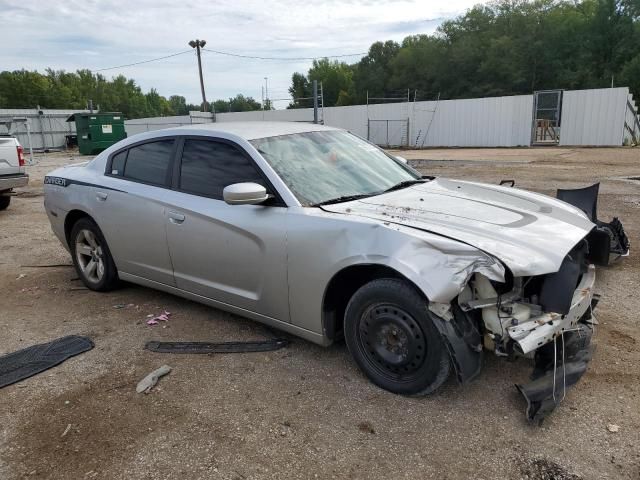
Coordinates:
column 345, row 198
column 348, row 198
column 406, row 183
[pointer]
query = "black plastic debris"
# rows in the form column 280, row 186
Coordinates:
column 558, row 366
column 32, row 360
column 222, row 347
column 608, row 241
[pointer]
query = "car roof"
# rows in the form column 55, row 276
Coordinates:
column 258, row 129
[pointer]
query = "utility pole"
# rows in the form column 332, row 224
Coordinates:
column 198, row 44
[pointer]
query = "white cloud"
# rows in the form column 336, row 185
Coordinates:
column 74, row 34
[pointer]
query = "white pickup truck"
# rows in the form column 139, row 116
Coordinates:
column 12, row 174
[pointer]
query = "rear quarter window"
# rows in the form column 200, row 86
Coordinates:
column 148, row 163
column 117, row 163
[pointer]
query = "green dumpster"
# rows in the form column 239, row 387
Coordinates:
column 97, row 131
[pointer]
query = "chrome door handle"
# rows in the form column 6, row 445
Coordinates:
column 175, row 217
column 101, row 196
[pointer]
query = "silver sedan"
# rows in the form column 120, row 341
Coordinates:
column 315, row 231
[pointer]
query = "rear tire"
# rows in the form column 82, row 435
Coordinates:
column 5, row 200
column 390, row 334
column 91, row 256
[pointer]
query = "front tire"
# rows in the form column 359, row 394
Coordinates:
column 91, row 256
column 390, row 334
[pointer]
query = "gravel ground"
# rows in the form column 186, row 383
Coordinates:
column 305, row 411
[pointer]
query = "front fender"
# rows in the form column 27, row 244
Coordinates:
column 321, row 244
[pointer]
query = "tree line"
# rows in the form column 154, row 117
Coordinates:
column 505, row 47
column 502, row 48
column 72, row 90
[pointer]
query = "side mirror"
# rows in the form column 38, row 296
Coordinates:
column 402, row 159
column 244, row 194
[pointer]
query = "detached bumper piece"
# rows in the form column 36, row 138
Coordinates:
column 607, row 241
column 223, row 347
column 558, row 366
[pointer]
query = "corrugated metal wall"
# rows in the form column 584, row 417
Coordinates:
column 589, row 117
column 481, row 122
column 593, row 117
column 632, row 122
column 140, row 125
column 294, row 115
column 48, row 128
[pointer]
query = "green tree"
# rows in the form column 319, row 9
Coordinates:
column 336, row 79
column 239, row 103
column 299, row 89
column 374, row 71
column 178, row 105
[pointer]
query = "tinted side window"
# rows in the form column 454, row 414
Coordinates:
column 207, row 167
column 149, row 162
column 117, row 163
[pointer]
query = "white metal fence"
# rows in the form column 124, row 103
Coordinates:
column 594, row 117
column 140, row 125
column 597, row 117
column 631, row 123
column 49, row 128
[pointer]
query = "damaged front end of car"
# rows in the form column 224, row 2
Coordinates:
column 548, row 318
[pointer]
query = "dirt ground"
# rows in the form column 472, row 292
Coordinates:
column 304, row 411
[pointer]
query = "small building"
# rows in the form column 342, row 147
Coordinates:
column 98, row 131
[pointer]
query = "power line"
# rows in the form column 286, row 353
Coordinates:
column 282, row 58
column 144, row 61
column 230, row 54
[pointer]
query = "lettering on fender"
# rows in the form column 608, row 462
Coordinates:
column 62, row 182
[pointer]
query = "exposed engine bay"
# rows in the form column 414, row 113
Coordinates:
column 548, row 318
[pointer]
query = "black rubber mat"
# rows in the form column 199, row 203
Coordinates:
column 27, row 362
column 223, row 347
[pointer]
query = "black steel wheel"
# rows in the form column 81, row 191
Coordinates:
column 390, row 334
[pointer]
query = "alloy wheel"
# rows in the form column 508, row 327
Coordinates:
column 90, row 256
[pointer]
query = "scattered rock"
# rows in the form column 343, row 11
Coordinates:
column 366, row 427
column 613, row 428
column 545, row 469
column 147, row 383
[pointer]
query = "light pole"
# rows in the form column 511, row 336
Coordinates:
column 266, row 93
column 198, row 44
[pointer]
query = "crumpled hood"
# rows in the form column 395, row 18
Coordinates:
column 528, row 232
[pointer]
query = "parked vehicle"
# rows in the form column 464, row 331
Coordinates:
column 12, row 169
column 317, row 232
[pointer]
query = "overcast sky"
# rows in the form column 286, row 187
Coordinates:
column 73, row 34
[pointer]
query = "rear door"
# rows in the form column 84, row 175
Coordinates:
column 132, row 214
column 235, row 254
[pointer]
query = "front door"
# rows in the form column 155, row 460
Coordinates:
column 235, row 254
